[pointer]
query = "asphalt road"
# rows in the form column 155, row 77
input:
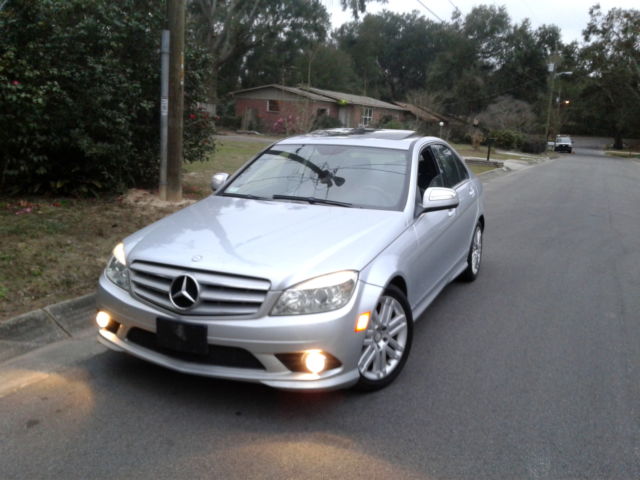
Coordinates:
column 531, row 372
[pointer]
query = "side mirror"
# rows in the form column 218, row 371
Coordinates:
column 438, row 198
column 218, row 180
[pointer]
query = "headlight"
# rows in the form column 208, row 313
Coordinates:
column 320, row 294
column 117, row 270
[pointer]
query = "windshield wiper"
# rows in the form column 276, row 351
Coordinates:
column 244, row 195
column 312, row 200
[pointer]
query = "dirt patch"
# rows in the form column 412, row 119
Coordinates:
column 55, row 249
column 143, row 198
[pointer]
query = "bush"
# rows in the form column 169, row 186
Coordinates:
column 533, row 144
column 79, row 93
column 507, row 139
column 324, row 122
column 387, row 121
column 394, row 125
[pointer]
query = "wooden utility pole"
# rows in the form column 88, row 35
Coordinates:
column 176, row 15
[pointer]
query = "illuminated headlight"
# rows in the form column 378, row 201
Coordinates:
column 117, row 270
column 320, row 294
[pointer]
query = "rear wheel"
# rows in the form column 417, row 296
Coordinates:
column 387, row 341
column 474, row 257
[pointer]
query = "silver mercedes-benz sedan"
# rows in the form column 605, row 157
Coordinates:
column 306, row 269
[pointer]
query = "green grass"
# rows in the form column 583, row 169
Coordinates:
column 467, row 150
column 228, row 157
column 478, row 169
column 623, row 154
column 54, row 249
column 232, row 154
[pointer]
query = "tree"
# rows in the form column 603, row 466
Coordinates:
column 391, row 52
column 357, row 6
column 330, row 68
column 611, row 58
column 508, row 113
column 79, row 91
column 522, row 71
column 255, row 39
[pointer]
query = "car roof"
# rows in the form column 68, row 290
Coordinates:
column 366, row 137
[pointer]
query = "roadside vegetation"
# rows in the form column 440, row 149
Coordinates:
column 623, row 154
column 79, row 91
column 54, row 248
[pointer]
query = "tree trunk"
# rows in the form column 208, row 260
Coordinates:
column 617, row 141
column 212, row 91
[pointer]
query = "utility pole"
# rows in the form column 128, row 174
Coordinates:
column 164, row 112
column 176, row 15
column 552, row 71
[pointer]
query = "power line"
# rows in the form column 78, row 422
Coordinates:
column 430, row 11
column 533, row 16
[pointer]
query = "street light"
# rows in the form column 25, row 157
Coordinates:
column 553, row 78
column 441, row 125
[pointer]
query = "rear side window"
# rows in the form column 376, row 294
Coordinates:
column 453, row 169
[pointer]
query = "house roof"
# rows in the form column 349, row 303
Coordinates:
column 428, row 115
column 326, row 96
column 354, row 99
column 294, row 90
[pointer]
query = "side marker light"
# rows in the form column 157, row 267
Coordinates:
column 363, row 321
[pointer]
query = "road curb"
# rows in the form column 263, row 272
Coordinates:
column 70, row 318
column 50, row 324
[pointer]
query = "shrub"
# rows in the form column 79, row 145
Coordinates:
column 79, row 93
column 324, row 122
column 507, row 139
column 533, row 144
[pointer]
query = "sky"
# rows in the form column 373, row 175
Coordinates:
column 571, row 16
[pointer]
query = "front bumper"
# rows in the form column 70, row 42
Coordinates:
column 263, row 337
column 563, row 148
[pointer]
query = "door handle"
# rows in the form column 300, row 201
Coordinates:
column 472, row 192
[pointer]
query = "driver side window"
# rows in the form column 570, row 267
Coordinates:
column 429, row 175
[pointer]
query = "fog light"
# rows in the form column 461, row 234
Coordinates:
column 103, row 319
column 363, row 322
column 315, row 361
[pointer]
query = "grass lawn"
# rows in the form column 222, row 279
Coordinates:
column 231, row 154
column 228, row 157
column 54, row 249
column 623, row 154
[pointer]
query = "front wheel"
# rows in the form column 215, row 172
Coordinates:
column 387, row 341
column 474, row 257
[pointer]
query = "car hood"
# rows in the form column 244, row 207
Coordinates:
column 283, row 242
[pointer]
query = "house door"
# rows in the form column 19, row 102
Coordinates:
column 343, row 116
column 249, row 119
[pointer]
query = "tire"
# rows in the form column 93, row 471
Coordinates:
column 387, row 341
column 475, row 256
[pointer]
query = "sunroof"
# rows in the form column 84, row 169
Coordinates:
column 366, row 132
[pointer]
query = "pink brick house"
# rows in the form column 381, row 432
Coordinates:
column 284, row 110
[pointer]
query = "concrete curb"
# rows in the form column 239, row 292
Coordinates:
column 38, row 328
column 71, row 318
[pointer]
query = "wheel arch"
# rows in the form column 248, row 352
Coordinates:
column 399, row 282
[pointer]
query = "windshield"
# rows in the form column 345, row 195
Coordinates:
column 342, row 175
column 563, row 140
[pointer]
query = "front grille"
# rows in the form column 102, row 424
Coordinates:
column 218, row 355
column 220, row 294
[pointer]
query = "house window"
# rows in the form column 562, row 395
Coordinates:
column 367, row 115
column 273, row 106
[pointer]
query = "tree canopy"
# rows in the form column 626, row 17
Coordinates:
column 79, row 79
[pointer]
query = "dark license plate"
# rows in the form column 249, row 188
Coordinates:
column 181, row 336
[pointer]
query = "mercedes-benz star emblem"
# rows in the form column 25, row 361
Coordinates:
column 184, row 292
